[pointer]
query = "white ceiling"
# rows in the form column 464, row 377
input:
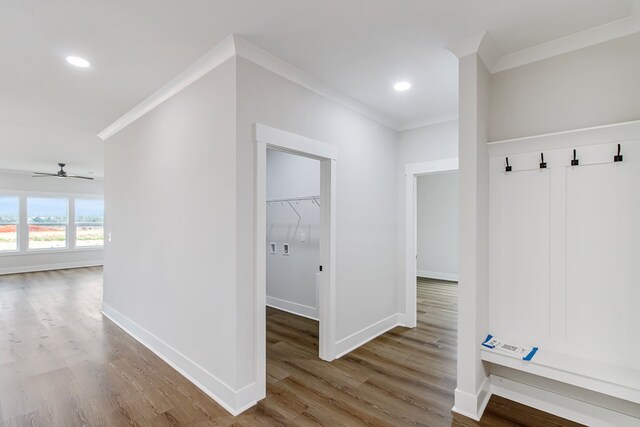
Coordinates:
column 50, row 111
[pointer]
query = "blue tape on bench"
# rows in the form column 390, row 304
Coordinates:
column 489, row 337
column 531, row 354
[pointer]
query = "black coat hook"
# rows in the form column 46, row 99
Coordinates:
column 618, row 158
column 575, row 161
column 508, row 167
column 543, row 164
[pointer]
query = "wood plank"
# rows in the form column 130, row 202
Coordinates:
column 63, row 363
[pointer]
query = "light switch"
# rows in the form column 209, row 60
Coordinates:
column 303, row 237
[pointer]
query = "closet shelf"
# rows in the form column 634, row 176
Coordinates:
column 612, row 380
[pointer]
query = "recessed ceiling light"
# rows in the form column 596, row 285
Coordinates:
column 78, row 62
column 402, row 86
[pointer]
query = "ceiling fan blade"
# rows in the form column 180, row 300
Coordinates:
column 43, row 174
column 80, row 177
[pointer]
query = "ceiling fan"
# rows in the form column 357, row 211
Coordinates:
column 60, row 174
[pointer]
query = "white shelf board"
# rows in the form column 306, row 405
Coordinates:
column 612, row 380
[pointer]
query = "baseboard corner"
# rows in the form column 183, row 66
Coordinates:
column 233, row 401
column 472, row 405
column 363, row 336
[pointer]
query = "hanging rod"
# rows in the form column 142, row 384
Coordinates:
column 294, row 199
column 297, row 200
column 315, row 199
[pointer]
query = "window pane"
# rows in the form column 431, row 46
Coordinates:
column 47, row 220
column 8, row 237
column 9, row 215
column 89, row 223
column 89, row 235
column 47, row 236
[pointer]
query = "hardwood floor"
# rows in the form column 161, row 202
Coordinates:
column 63, row 364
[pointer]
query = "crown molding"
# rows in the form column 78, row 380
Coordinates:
column 480, row 44
column 230, row 47
column 278, row 66
column 428, row 121
column 210, row 60
column 590, row 37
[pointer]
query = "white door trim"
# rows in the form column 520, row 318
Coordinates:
column 268, row 137
column 412, row 171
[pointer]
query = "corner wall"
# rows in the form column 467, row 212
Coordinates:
column 170, row 267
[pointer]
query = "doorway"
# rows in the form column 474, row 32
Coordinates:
column 293, row 233
column 269, row 138
column 412, row 172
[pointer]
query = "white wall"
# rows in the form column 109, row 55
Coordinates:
column 19, row 182
column 437, row 225
column 588, row 87
column 434, row 142
column 170, row 267
column 366, row 269
column 291, row 279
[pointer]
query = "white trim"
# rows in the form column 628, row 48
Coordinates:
column 287, row 141
column 559, row 405
column 427, row 274
column 53, row 251
column 49, row 267
column 616, row 132
column 218, row 390
column 293, row 307
column 480, row 44
column 412, row 171
column 268, row 137
column 363, row 336
column 261, row 57
column 473, row 405
column 234, row 46
column 212, row 59
column 434, row 166
column 580, row 40
column 619, row 382
column 435, row 119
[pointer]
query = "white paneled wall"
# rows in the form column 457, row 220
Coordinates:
column 565, row 265
column 521, row 269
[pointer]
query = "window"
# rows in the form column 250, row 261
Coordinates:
column 89, row 222
column 9, row 218
column 47, row 220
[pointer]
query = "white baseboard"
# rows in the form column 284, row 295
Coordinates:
column 562, row 406
column 472, row 405
column 452, row 277
column 234, row 401
column 48, row 267
column 292, row 307
column 365, row 335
